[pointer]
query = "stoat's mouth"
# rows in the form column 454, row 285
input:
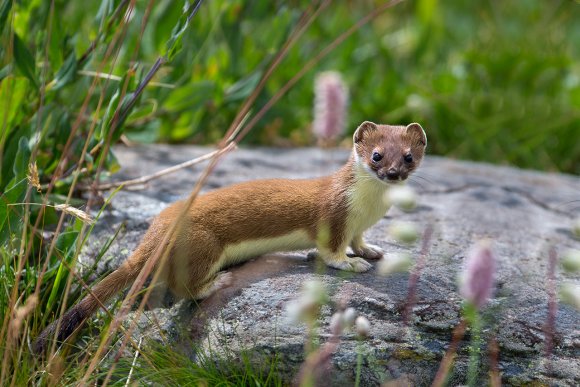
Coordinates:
column 385, row 180
column 389, row 181
column 392, row 178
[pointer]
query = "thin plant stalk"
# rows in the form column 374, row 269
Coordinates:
column 494, row 376
column 550, row 326
column 474, row 318
column 449, row 357
column 359, row 359
column 415, row 275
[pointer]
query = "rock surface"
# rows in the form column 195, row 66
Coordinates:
column 522, row 212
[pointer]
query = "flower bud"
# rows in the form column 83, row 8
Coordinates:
column 314, row 291
column 404, row 232
column 306, row 307
column 295, row 311
column 330, row 100
column 477, row 277
column 348, row 317
column 394, row 263
column 570, row 294
column 571, row 261
column 402, row 196
column 362, row 326
column 337, row 323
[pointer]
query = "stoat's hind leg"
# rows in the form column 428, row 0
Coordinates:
column 194, row 263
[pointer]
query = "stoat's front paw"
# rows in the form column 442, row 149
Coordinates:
column 369, row 252
column 355, row 264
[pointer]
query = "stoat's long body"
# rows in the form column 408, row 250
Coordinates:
column 236, row 223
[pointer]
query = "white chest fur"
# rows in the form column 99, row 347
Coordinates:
column 367, row 204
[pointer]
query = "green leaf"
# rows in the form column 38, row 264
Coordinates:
column 67, row 73
column 11, row 216
column 13, row 91
column 22, row 159
column 191, row 96
column 174, row 43
column 24, row 60
column 4, row 72
column 5, row 7
column 105, row 9
column 65, row 244
column 10, row 150
column 101, row 134
column 243, row 88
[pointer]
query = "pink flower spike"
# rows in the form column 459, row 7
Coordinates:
column 330, row 104
column 477, row 278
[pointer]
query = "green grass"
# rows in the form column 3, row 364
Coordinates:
column 161, row 365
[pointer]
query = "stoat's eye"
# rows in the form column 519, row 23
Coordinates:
column 377, row 156
column 408, row 158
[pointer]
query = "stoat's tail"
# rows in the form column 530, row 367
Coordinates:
column 76, row 316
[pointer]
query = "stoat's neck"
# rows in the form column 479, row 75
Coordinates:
column 365, row 185
column 365, row 195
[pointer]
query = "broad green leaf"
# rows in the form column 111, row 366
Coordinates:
column 174, row 43
column 5, row 7
column 141, row 112
column 4, row 72
column 243, row 88
column 67, row 73
column 11, row 215
column 111, row 162
column 190, row 96
column 105, row 10
column 20, row 163
column 9, row 155
column 24, row 60
column 12, row 94
column 101, row 134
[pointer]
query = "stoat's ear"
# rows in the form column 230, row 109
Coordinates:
column 362, row 129
column 417, row 133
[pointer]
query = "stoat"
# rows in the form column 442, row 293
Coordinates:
column 235, row 223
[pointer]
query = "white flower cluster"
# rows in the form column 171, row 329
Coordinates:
column 401, row 196
column 305, row 308
column 348, row 319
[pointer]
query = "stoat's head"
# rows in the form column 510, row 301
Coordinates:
column 387, row 152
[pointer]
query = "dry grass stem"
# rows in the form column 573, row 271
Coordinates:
column 415, row 274
column 447, row 360
column 147, row 178
column 79, row 214
column 20, row 315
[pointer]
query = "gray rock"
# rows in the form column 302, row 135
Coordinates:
column 523, row 212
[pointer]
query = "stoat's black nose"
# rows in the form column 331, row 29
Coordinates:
column 392, row 174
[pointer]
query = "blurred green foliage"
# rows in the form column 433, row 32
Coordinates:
column 494, row 81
